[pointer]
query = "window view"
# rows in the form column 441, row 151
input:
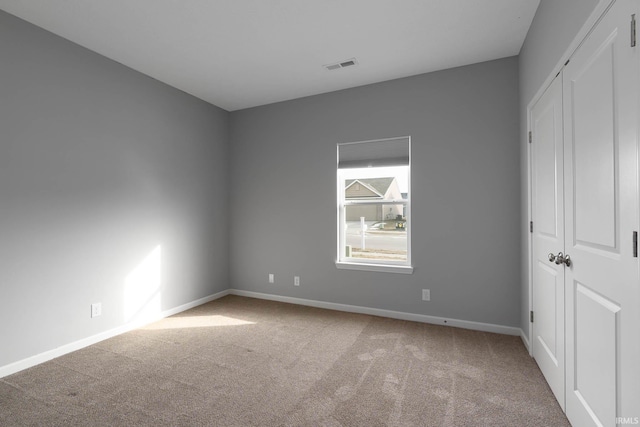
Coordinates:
column 374, row 203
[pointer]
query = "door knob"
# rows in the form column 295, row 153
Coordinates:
column 552, row 257
column 563, row 259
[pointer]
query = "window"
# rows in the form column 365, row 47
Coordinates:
column 374, row 205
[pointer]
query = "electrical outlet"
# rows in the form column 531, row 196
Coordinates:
column 96, row 309
column 296, row 280
column 272, row 278
column 426, row 295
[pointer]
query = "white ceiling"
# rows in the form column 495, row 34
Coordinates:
column 243, row 53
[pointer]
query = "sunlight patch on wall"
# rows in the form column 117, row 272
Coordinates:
column 197, row 322
column 142, row 288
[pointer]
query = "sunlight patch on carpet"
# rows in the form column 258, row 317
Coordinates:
column 197, row 322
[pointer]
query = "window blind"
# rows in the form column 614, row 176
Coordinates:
column 383, row 152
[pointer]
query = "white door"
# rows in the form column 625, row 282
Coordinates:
column 600, row 86
column 547, row 193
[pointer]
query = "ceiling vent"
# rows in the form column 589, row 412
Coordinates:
column 342, row 64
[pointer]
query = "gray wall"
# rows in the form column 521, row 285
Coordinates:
column 554, row 27
column 99, row 165
column 465, row 191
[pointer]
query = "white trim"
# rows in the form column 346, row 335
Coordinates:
column 376, row 140
column 85, row 342
column 595, row 16
column 422, row 318
column 14, row 367
column 526, row 343
column 384, row 268
column 529, row 335
column 379, row 265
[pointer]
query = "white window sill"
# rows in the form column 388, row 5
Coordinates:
column 385, row 268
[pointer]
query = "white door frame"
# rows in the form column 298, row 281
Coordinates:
column 548, row 236
column 598, row 11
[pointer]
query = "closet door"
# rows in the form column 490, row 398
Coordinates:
column 547, row 187
column 601, row 213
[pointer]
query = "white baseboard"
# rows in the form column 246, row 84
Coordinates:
column 85, row 342
column 466, row 324
column 525, row 341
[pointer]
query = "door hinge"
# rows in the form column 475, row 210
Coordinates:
column 530, row 226
column 530, row 137
column 633, row 30
column 531, row 316
column 635, row 244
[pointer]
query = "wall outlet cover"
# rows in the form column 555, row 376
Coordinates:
column 96, row 309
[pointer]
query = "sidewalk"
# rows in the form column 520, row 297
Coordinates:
column 378, row 254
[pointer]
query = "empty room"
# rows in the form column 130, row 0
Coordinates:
column 319, row 213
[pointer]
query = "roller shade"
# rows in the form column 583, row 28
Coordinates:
column 378, row 153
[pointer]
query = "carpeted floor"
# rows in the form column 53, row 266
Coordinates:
column 246, row 362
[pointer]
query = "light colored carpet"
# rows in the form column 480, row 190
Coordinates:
column 247, row 362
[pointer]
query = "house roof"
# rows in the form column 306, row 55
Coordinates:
column 379, row 185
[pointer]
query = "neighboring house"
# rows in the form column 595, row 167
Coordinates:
column 373, row 189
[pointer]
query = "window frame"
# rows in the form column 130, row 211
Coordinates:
column 350, row 263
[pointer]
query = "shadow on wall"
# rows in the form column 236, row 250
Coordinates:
column 143, row 289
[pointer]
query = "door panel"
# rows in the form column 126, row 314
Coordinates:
column 600, row 86
column 549, row 291
column 594, row 150
column 547, row 128
column 596, row 351
column 548, row 237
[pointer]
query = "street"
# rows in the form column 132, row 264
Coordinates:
column 376, row 239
